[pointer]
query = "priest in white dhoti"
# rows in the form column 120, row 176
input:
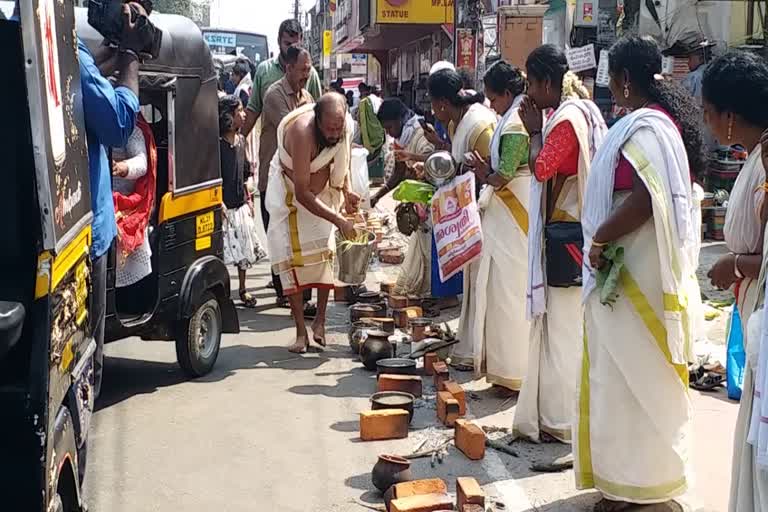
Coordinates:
column 308, row 182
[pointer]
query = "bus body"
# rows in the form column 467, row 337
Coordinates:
column 235, row 42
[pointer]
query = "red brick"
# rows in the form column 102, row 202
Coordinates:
column 473, row 508
column 457, row 391
column 470, row 439
column 383, row 424
column 429, row 359
column 468, row 492
column 402, row 316
column 441, row 374
column 342, row 293
column 405, row 383
column 416, row 487
column 422, row 503
column 447, row 408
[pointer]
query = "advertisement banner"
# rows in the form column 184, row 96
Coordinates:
column 414, row 11
column 456, row 225
column 467, row 49
column 359, row 64
column 327, row 42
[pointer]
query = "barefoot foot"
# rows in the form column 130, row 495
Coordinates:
column 318, row 333
column 300, row 347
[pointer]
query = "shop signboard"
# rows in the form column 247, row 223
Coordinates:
column 423, row 12
column 359, row 64
column 467, row 49
column 602, row 78
column 327, row 46
column 582, row 58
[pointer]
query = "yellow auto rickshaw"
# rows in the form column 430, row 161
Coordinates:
column 187, row 297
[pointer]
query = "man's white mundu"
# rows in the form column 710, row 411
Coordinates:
column 632, row 432
column 298, row 238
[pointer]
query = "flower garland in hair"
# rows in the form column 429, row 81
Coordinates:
column 573, row 88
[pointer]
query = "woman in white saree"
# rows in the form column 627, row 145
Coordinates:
column 632, row 432
column 560, row 156
column 470, row 128
column 498, row 329
column 735, row 99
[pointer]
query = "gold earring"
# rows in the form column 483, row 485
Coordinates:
column 730, row 130
column 626, row 91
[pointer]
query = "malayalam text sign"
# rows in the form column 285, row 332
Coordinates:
column 582, row 58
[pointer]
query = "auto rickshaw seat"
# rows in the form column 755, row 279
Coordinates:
column 11, row 325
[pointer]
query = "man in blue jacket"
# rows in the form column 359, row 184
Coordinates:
column 110, row 117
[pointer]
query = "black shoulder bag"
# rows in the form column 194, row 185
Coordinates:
column 563, row 243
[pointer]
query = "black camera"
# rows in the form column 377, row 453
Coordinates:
column 106, row 16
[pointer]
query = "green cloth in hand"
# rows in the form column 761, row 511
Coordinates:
column 608, row 276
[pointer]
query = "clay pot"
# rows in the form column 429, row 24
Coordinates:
column 376, row 346
column 390, row 470
column 393, row 400
column 369, row 297
column 357, row 334
column 396, row 366
column 358, row 311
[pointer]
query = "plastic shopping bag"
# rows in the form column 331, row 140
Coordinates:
column 736, row 356
column 359, row 180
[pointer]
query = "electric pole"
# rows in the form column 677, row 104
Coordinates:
column 297, row 9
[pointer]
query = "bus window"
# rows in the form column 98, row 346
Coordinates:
column 228, row 42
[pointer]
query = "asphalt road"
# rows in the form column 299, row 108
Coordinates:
column 273, row 431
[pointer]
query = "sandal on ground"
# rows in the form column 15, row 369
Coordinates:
column 282, row 302
column 708, row 382
column 249, row 300
column 271, row 285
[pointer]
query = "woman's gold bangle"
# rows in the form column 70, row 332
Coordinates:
column 599, row 244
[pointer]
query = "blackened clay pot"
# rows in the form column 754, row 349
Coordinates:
column 390, row 470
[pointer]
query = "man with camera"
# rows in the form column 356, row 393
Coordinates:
column 110, row 118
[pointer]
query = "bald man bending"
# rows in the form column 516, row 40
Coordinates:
column 308, row 181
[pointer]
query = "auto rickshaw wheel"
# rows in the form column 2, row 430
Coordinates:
column 198, row 338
